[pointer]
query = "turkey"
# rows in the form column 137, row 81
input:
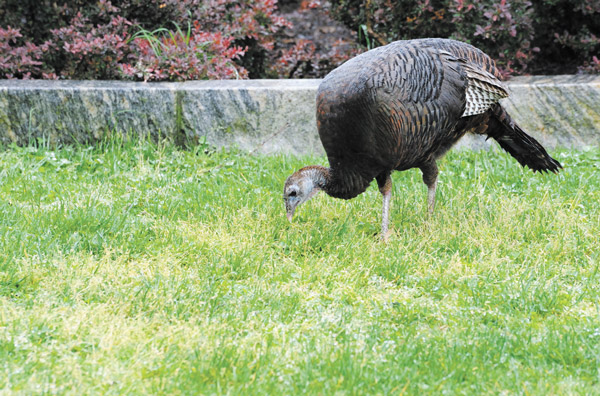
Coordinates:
column 403, row 106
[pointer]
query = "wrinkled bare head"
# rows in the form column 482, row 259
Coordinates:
column 301, row 186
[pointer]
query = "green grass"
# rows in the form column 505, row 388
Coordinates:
column 140, row 268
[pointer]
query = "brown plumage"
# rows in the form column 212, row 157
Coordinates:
column 403, row 106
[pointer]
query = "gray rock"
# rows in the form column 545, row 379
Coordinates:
column 265, row 116
column 561, row 111
column 83, row 111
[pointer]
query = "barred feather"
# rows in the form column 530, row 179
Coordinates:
column 483, row 91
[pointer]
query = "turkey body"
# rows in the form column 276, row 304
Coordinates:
column 403, row 106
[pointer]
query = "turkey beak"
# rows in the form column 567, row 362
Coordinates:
column 290, row 207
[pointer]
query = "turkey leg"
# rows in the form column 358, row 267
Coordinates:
column 384, row 181
column 430, row 176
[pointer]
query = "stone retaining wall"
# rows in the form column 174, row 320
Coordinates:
column 258, row 115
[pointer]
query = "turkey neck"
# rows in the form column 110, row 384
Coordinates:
column 343, row 184
column 319, row 175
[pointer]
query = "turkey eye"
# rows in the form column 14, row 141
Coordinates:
column 292, row 193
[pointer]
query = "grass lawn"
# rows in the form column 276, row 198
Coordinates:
column 140, row 268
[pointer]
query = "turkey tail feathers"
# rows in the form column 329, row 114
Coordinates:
column 525, row 149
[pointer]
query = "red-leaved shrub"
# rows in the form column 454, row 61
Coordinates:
column 180, row 55
column 194, row 39
column 21, row 60
column 93, row 52
column 139, row 39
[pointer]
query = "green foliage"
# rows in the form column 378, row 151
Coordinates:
column 142, row 268
column 548, row 36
